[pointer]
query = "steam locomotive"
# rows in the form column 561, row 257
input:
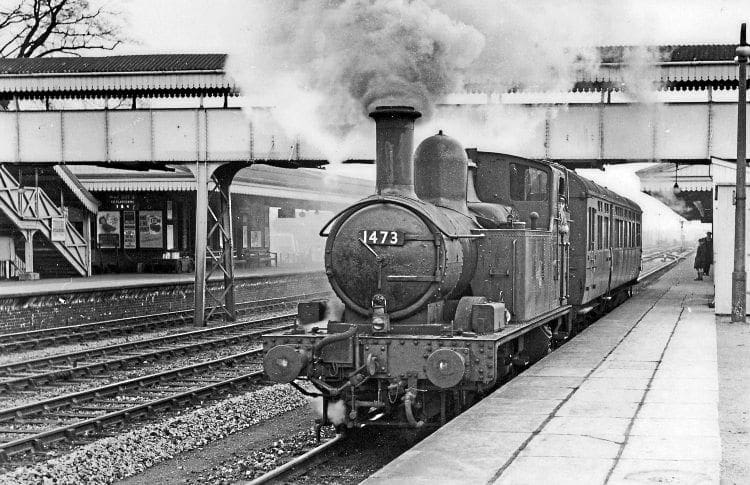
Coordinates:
column 464, row 268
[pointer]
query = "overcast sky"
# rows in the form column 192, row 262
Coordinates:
column 220, row 25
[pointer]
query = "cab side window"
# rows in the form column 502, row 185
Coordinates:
column 527, row 183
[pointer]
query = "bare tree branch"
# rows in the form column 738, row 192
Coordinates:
column 36, row 28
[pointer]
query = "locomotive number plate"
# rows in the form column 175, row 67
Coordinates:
column 383, row 238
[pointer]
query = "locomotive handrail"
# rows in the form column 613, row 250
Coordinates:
column 513, row 282
column 323, row 231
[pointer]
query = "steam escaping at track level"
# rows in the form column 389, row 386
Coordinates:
column 335, row 412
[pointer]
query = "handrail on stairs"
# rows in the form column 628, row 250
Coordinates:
column 34, row 204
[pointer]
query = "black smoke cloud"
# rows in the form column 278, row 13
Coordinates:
column 323, row 64
column 348, row 56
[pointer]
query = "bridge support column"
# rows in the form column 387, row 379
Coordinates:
column 213, row 178
column 222, row 260
column 201, row 173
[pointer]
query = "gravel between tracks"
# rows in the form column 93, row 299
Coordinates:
column 54, row 350
column 61, row 387
column 109, row 459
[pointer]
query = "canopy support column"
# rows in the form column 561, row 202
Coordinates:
column 28, row 236
column 739, row 275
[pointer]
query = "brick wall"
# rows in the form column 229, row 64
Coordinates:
column 18, row 314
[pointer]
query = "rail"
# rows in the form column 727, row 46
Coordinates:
column 44, row 378
column 674, row 260
column 50, row 336
column 297, row 462
column 69, row 431
column 73, row 357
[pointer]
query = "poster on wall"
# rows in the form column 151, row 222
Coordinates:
column 108, row 229
column 256, row 239
column 150, row 229
column 128, row 229
column 58, row 229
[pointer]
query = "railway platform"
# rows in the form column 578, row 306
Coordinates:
column 55, row 302
column 634, row 398
column 109, row 281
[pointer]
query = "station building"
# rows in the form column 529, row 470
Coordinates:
column 93, row 173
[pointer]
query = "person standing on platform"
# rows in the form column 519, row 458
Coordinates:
column 709, row 256
column 700, row 258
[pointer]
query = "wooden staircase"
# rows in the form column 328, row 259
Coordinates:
column 30, row 208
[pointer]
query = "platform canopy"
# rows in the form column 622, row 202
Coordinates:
column 679, row 67
column 670, row 67
column 692, row 199
column 143, row 75
column 313, row 188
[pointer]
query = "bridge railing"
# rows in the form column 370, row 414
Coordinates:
column 153, row 135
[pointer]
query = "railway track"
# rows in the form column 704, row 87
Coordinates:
column 89, row 413
column 673, row 257
column 37, row 372
column 34, row 427
column 299, row 464
column 322, row 464
column 653, row 254
column 34, row 339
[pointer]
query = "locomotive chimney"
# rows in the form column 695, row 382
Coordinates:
column 394, row 143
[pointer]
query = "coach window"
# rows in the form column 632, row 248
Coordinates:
column 606, row 232
column 599, row 228
column 628, row 231
column 592, row 223
column 527, row 183
column 637, row 234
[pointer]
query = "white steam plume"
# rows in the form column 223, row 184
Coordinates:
column 660, row 225
column 336, row 410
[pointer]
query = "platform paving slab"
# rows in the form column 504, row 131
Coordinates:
column 610, row 429
column 641, row 407
column 678, row 427
column 649, row 472
column 535, row 470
